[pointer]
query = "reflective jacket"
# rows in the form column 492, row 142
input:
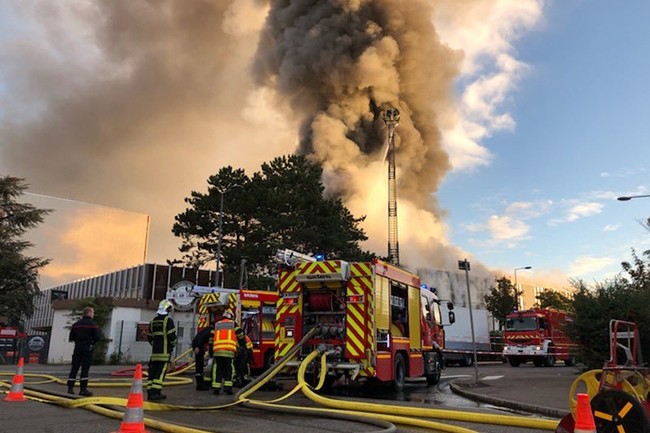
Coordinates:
column 162, row 337
column 225, row 341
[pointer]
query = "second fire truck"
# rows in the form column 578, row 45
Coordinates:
column 253, row 309
column 373, row 318
column 537, row 335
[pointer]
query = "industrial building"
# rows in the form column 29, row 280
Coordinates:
column 134, row 293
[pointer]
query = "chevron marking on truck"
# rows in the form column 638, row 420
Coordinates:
column 314, row 268
column 359, row 317
column 287, row 284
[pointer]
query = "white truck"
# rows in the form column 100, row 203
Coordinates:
column 458, row 336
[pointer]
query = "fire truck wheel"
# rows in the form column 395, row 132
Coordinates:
column 268, row 360
column 570, row 361
column 514, row 362
column 466, row 361
column 618, row 411
column 400, row 373
column 549, row 361
column 434, row 378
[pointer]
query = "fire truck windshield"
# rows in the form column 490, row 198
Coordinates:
column 521, row 324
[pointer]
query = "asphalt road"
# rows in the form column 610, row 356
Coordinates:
column 500, row 381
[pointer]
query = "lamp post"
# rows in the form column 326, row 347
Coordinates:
column 221, row 191
column 517, row 287
column 630, row 197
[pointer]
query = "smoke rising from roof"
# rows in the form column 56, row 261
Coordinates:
column 135, row 104
column 339, row 64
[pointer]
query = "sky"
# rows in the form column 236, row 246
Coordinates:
column 522, row 120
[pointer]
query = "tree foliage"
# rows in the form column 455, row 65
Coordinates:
column 625, row 297
column 501, row 300
column 281, row 206
column 18, row 271
column 553, row 299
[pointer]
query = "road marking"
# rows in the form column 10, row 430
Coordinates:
column 492, row 377
column 454, row 376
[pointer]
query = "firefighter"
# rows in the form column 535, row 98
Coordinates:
column 223, row 353
column 162, row 337
column 243, row 358
column 84, row 333
column 199, row 344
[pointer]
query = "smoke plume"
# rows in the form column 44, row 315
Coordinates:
column 135, row 104
column 339, row 64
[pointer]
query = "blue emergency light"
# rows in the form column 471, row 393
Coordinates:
column 320, row 257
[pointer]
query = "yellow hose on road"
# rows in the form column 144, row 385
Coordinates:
column 407, row 411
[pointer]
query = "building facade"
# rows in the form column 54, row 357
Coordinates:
column 134, row 293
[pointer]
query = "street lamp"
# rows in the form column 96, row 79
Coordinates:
column 630, row 197
column 516, row 287
column 222, row 191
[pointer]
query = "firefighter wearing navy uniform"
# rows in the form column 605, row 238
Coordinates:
column 162, row 337
column 223, row 353
column 199, row 344
column 243, row 357
column 84, row 333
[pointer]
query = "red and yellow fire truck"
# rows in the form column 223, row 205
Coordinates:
column 537, row 335
column 254, row 310
column 374, row 319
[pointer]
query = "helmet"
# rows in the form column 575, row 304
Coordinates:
column 227, row 315
column 165, row 307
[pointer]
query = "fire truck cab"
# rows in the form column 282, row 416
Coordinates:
column 253, row 310
column 373, row 318
column 537, row 335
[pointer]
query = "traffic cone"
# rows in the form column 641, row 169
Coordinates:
column 16, row 393
column 584, row 418
column 133, row 420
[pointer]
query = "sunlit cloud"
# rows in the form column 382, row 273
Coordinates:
column 586, row 265
column 490, row 72
column 576, row 211
column 611, row 227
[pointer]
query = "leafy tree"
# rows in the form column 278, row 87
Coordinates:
column 18, row 272
column 553, row 299
column 282, row 206
column 501, row 300
column 103, row 309
column 623, row 298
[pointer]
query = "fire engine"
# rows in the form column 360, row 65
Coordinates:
column 537, row 335
column 374, row 319
column 254, row 310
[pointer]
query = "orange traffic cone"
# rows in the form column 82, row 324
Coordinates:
column 133, row 420
column 584, row 418
column 16, row 393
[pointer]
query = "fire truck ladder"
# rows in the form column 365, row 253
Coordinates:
column 391, row 117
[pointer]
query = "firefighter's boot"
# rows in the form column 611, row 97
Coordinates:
column 70, row 389
column 84, row 392
column 155, row 395
column 201, row 385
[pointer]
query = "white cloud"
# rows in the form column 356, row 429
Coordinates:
column 505, row 228
column 586, row 265
column 509, row 228
column 490, row 72
column 611, row 227
column 582, row 210
column 576, row 210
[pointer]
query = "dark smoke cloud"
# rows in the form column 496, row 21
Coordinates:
column 339, row 63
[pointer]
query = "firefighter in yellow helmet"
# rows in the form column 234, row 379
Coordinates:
column 223, row 353
column 162, row 337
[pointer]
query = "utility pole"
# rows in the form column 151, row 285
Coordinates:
column 464, row 265
column 391, row 118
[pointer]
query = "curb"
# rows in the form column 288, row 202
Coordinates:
column 540, row 410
